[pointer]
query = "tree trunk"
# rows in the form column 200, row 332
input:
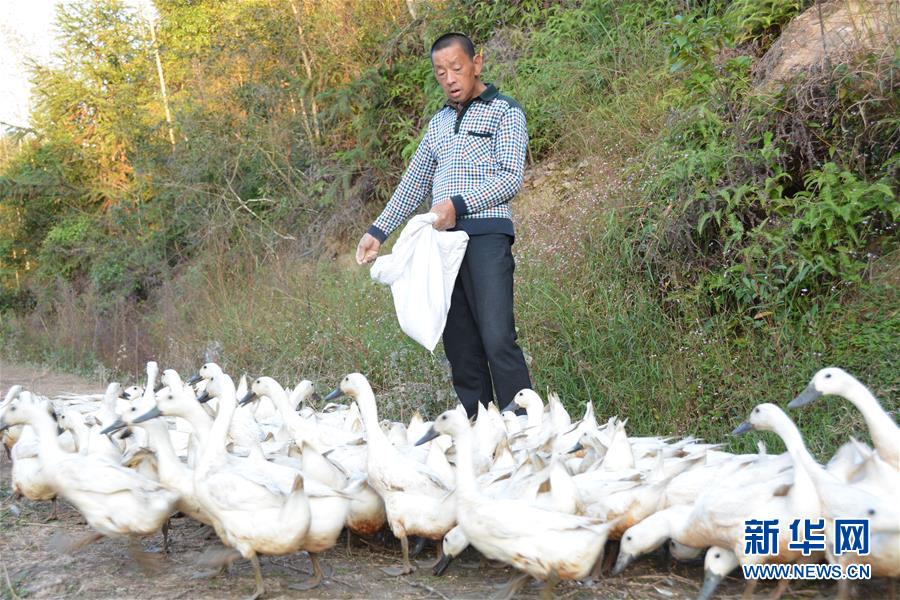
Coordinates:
column 307, row 65
column 162, row 81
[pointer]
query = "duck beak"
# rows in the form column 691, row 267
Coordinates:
column 150, row 414
column 429, row 435
column 512, row 405
column 195, row 379
column 204, row 397
column 576, row 448
column 248, row 398
column 710, row 583
column 442, row 565
column 123, row 396
column 621, row 562
column 335, row 394
column 742, row 428
column 158, row 387
column 4, row 425
column 117, row 425
column 805, row 397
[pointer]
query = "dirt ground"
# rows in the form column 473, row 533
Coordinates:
column 30, row 567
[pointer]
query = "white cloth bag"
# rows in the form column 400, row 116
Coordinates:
column 421, row 271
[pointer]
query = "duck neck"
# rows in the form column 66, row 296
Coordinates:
column 82, row 435
column 465, row 463
column 535, row 412
column 48, row 440
column 882, row 428
column 296, row 426
column 368, row 410
column 109, row 404
column 218, row 435
column 200, row 421
column 677, row 519
column 805, row 466
column 158, row 436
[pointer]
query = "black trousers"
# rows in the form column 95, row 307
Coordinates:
column 480, row 335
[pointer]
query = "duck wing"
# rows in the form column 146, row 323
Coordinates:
column 235, row 492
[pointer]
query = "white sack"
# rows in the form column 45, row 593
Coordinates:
column 422, row 272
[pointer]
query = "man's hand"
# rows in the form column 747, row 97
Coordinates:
column 446, row 213
column 367, row 249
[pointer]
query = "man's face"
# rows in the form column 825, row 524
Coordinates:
column 456, row 72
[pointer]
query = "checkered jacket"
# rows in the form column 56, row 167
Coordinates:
column 474, row 158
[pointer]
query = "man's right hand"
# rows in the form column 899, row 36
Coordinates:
column 367, row 249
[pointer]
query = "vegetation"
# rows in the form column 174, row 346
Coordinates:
column 746, row 237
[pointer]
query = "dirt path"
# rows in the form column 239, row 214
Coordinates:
column 30, row 567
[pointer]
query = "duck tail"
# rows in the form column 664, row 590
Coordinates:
column 295, row 512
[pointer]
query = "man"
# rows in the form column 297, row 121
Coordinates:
column 471, row 162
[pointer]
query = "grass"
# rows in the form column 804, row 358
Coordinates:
column 591, row 322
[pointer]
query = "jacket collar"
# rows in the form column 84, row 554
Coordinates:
column 489, row 93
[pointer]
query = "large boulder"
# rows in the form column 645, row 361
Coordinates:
column 849, row 26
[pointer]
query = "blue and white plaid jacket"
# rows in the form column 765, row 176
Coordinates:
column 474, row 158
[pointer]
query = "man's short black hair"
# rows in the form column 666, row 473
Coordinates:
column 454, row 37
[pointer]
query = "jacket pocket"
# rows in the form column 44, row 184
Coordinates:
column 478, row 148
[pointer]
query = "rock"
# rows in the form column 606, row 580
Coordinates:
column 850, row 26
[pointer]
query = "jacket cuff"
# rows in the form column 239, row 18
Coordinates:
column 460, row 205
column 376, row 233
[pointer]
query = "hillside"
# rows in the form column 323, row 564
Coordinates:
column 709, row 214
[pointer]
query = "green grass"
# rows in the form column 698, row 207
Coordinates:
column 592, row 322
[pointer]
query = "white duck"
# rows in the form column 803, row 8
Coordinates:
column 114, row 500
column 11, row 435
column 172, row 472
column 29, row 478
column 328, row 512
column 542, row 543
column 89, row 439
column 416, row 501
column 884, row 431
column 250, row 510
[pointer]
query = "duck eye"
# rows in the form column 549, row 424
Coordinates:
column 827, row 375
column 628, row 537
column 717, row 555
column 871, row 512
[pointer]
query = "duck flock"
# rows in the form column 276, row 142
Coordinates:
column 554, row 497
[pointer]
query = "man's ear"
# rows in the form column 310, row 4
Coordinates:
column 479, row 62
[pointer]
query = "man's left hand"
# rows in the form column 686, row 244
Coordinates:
column 446, row 213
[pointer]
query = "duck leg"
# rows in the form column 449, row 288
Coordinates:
column 779, row 591
column 418, row 546
column 150, row 562
column 749, row 589
column 53, row 513
column 257, row 573
column 407, row 567
column 315, row 580
column 165, row 532
column 547, row 590
column 64, row 543
column 439, row 558
column 220, row 559
column 512, row 586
